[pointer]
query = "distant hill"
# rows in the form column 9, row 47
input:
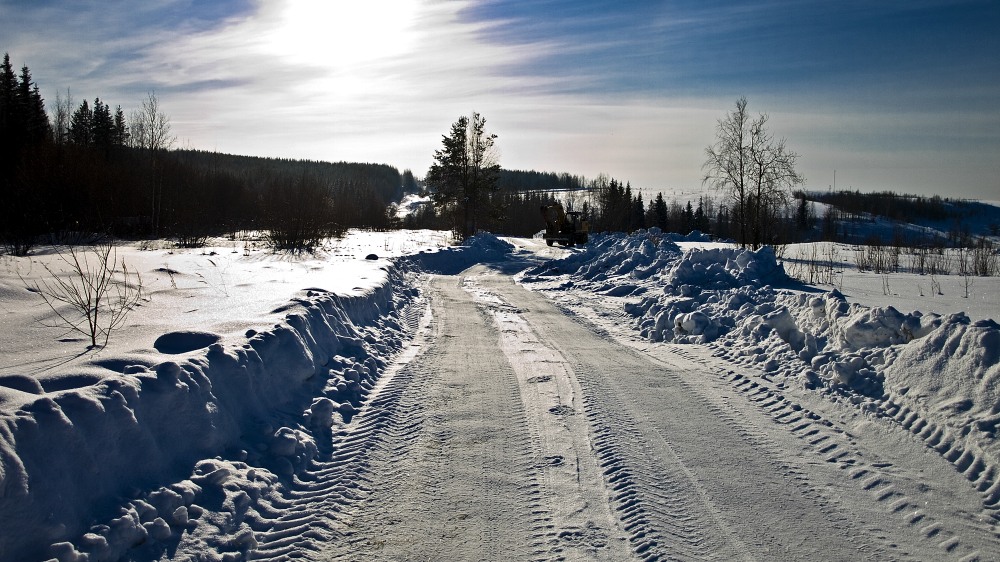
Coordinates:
column 858, row 217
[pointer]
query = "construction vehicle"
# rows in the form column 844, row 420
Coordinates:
column 565, row 228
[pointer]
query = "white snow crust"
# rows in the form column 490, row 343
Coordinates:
column 941, row 371
column 199, row 422
column 232, row 377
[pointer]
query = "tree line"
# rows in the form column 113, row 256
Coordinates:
column 93, row 169
column 888, row 204
column 752, row 167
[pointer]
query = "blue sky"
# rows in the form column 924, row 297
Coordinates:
column 891, row 95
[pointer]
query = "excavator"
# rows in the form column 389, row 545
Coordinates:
column 565, row 228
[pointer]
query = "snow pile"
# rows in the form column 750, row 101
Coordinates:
column 706, row 292
column 944, row 369
column 612, row 264
column 952, row 373
column 701, row 293
column 141, row 421
column 480, row 248
column 410, row 204
column 824, row 340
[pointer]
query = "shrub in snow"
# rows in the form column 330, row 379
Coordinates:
column 95, row 296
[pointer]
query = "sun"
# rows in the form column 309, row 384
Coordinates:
column 342, row 34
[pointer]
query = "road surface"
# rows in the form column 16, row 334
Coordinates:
column 515, row 431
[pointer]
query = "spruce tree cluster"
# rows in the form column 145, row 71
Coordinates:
column 23, row 121
column 87, row 174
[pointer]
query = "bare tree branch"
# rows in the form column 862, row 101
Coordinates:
column 97, row 294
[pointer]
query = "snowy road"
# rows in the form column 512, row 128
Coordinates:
column 518, row 432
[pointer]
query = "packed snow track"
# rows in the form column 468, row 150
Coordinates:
column 519, row 432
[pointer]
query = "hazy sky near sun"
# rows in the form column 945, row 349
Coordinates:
column 899, row 95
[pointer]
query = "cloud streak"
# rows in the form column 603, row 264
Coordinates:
column 899, row 95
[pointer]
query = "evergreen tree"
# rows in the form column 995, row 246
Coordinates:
column 102, row 126
column 700, row 218
column 803, row 218
column 660, row 212
column 119, row 137
column 23, row 120
column 409, row 183
column 638, row 219
column 464, row 174
column 624, row 217
column 722, row 222
column 33, row 118
column 8, row 99
column 81, row 125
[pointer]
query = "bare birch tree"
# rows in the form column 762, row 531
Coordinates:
column 61, row 117
column 149, row 129
column 150, row 126
column 755, row 169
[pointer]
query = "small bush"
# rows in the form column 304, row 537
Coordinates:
column 99, row 292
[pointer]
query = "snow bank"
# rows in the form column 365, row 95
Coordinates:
column 700, row 293
column 611, row 257
column 942, row 369
column 481, row 248
column 952, row 372
column 150, row 421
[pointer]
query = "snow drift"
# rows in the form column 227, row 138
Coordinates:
column 942, row 369
column 481, row 248
column 148, row 425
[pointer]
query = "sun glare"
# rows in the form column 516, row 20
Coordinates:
column 340, row 34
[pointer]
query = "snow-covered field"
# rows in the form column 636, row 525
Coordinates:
column 226, row 341
column 241, row 365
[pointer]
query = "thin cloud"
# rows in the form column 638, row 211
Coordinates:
column 581, row 86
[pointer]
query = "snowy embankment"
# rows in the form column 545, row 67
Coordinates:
column 135, row 451
column 939, row 376
column 68, row 455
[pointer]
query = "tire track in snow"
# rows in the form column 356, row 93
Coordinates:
column 311, row 516
column 571, row 483
column 680, row 422
column 833, row 445
column 975, row 467
column 438, row 465
column 662, row 508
